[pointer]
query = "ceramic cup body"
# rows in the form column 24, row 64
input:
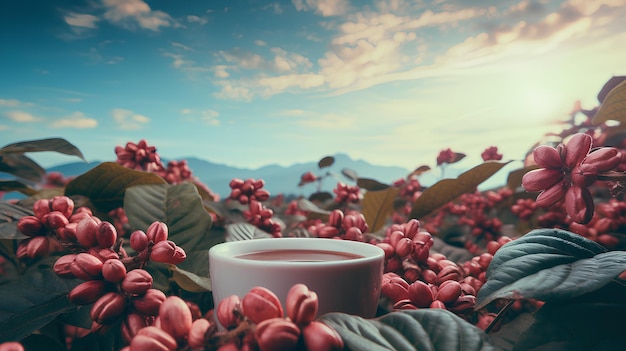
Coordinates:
column 350, row 286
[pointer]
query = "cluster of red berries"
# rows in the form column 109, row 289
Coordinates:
column 261, row 217
column 250, row 192
column 140, row 156
column 307, row 177
column 346, row 194
column 349, row 226
column 258, row 321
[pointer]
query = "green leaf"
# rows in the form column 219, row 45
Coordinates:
column 313, row 212
column 321, row 196
column 111, row 340
column 244, row 231
column 424, row 329
column 326, row 162
column 193, row 274
column 549, row 265
column 613, row 108
column 106, row 184
column 53, row 144
column 350, row 174
column 371, row 184
column 377, row 206
column 447, row 190
column 32, row 301
column 21, row 166
column 13, row 185
column 178, row 206
column 10, row 214
column 42, row 342
column 452, row 253
column 457, row 157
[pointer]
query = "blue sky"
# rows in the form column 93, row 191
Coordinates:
column 249, row 83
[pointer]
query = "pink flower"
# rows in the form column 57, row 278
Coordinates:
column 491, row 154
column 446, row 156
column 570, row 168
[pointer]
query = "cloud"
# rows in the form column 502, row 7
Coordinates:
column 9, row 103
column 76, row 120
column 181, row 46
column 275, row 7
column 4, row 127
column 22, row 117
column 196, row 19
column 128, row 120
column 81, row 20
column 97, row 58
column 206, row 116
column 325, row 8
column 132, row 13
column 260, row 43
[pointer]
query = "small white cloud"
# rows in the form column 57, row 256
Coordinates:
column 210, row 117
column 3, row 127
column 128, row 120
column 325, row 8
column 76, row 120
column 220, row 71
column 181, row 46
column 130, row 13
column 186, row 111
column 196, row 19
column 9, row 103
column 81, row 20
column 260, row 43
column 22, row 117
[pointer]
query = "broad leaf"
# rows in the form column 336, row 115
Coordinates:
column 608, row 86
column 178, row 206
column 193, row 274
column 111, row 340
column 549, row 265
column 458, row 157
column 371, row 184
column 378, row 206
column 244, row 231
column 10, row 214
column 13, row 185
column 350, row 174
column 613, row 108
column 419, row 170
column 43, row 342
column 326, row 162
column 21, row 166
column 106, row 184
column 313, row 212
column 447, row 190
column 53, row 144
column 322, row 196
column 452, row 253
column 424, row 329
column 32, row 301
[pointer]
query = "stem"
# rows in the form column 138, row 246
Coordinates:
column 612, row 176
column 499, row 316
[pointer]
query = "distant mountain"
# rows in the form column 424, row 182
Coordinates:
column 278, row 179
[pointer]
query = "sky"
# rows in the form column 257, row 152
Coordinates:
column 249, row 83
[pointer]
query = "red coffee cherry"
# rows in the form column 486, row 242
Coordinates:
column 86, row 267
column 301, row 304
column 229, row 312
column 88, row 292
column 420, row 294
column 30, row 225
column 137, row 281
column 108, row 307
column 113, row 270
column 449, row 291
column 167, row 252
column 396, row 288
column 55, row 220
column 260, row 304
column 175, row 317
column 11, row 346
column 138, row 240
column 277, row 334
column 41, row 208
column 157, row 232
column 63, row 265
column 86, row 232
column 149, row 303
column 320, row 337
column 198, row 337
column 152, row 338
column 131, row 325
column 63, row 204
column 106, row 234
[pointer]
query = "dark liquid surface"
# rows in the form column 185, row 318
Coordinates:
column 299, row 255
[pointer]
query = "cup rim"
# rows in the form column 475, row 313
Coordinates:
column 224, row 251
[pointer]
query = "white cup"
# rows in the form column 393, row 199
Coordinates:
column 350, row 286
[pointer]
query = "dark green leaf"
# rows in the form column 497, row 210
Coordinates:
column 36, row 342
column 378, row 206
column 613, row 108
column 13, row 185
column 321, row 197
column 193, row 274
column 21, row 166
column 32, row 301
column 178, row 206
column 244, row 231
column 79, row 318
column 106, row 184
column 350, row 174
column 458, row 157
column 424, row 329
column 447, row 190
column 326, row 162
column 549, row 265
column 53, row 144
column 371, row 184
column 111, row 340
column 452, row 253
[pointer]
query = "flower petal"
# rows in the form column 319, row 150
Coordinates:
column 541, row 179
column 577, row 149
